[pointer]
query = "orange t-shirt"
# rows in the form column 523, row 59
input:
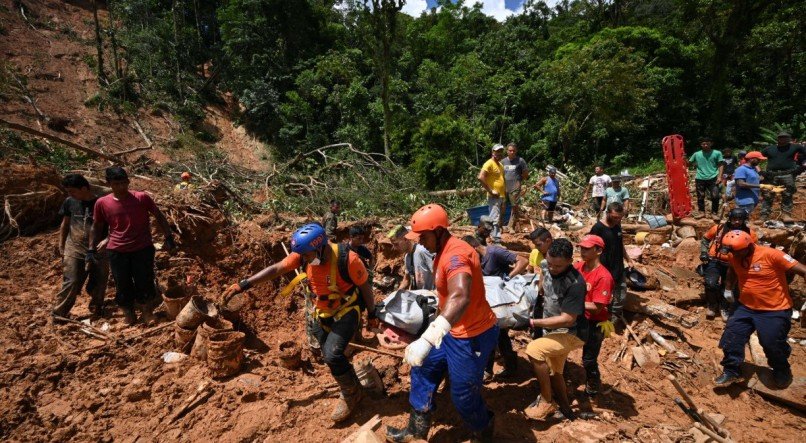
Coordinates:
column 458, row 257
column 762, row 285
column 319, row 275
column 712, row 252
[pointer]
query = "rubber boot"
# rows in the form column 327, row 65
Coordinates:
column 417, row 429
column 351, row 395
column 486, row 434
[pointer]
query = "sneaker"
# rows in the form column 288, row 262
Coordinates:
column 727, row 379
column 541, row 411
column 782, row 379
column 724, row 314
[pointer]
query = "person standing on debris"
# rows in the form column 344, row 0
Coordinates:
column 497, row 261
column 77, row 213
column 781, row 166
column 615, row 193
column 549, row 188
column 419, row 263
column 516, row 171
column 458, row 342
column 710, row 164
column 491, row 178
column 563, row 290
column 331, row 220
column 599, row 182
column 748, row 182
column 730, row 163
column 614, row 254
column 185, row 184
column 338, row 279
column 358, row 238
column 541, row 239
column 599, row 285
column 764, row 306
column 715, row 264
column 130, row 248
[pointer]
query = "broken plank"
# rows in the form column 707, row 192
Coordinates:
column 637, row 303
column 794, row 395
column 369, row 426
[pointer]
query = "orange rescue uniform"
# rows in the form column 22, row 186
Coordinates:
column 458, row 257
column 762, row 284
column 319, row 275
column 712, row 251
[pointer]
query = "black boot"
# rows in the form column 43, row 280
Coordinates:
column 351, row 395
column 486, row 434
column 417, row 429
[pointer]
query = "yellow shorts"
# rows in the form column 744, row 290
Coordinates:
column 553, row 349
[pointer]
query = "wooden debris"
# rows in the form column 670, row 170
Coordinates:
column 379, row 351
column 635, row 302
column 368, row 427
column 203, row 392
column 32, row 131
column 793, row 395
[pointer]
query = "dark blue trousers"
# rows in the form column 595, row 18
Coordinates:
column 772, row 327
column 464, row 359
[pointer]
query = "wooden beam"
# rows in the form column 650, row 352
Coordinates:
column 76, row 146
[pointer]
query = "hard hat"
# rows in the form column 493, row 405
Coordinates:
column 738, row 213
column 737, row 240
column 308, row 238
column 186, row 176
column 427, row 218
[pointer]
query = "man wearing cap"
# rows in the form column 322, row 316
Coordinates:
column 764, row 306
column 515, row 172
column 615, row 193
column 781, row 165
column 458, row 342
column 599, row 285
column 491, row 178
column 549, row 188
column 563, row 290
column 710, row 164
column 614, row 254
column 748, row 182
column 419, row 263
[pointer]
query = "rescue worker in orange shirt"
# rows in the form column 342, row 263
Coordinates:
column 458, row 342
column 764, row 306
column 715, row 265
column 339, row 300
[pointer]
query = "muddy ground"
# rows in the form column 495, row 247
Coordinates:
column 53, row 388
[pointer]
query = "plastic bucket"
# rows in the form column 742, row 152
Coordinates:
column 175, row 298
column 290, row 355
column 203, row 335
column 196, row 312
column 183, row 336
column 225, row 353
column 474, row 214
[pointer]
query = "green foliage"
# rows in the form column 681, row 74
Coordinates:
column 796, row 128
column 60, row 157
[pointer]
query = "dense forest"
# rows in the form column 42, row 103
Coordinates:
column 579, row 82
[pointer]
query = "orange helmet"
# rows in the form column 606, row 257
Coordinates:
column 428, row 218
column 186, row 176
column 737, row 240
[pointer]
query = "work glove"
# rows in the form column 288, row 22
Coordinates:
column 234, row 289
column 418, row 350
column 704, row 257
column 522, row 320
column 606, row 327
column 728, row 294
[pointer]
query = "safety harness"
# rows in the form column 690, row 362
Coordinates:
column 335, row 304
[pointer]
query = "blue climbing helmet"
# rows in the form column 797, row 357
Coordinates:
column 309, row 238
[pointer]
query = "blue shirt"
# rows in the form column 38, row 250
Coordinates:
column 497, row 261
column 551, row 190
column 745, row 196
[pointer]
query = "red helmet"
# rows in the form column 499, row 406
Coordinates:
column 186, row 176
column 428, row 218
column 737, row 240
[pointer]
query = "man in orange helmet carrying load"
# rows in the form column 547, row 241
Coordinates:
column 459, row 341
column 764, row 306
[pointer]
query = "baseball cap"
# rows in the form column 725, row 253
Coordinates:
column 591, row 240
column 498, row 147
column 397, row 232
column 754, row 154
column 784, row 134
column 551, row 169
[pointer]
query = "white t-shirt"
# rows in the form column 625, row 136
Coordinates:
column 600, row 183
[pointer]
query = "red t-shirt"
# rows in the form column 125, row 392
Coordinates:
column 458, row 257
column 128, row 220
column 599, row 284
column 319, row 275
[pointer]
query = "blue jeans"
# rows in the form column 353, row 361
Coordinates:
column 494, row 204
column 772, row 328
column 464, row 359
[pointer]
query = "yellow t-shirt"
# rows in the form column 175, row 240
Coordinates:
column 535, row 257
column 495, row 176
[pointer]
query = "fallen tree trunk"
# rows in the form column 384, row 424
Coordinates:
column 634, row 302
column 457, row 192
column 32, row 131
